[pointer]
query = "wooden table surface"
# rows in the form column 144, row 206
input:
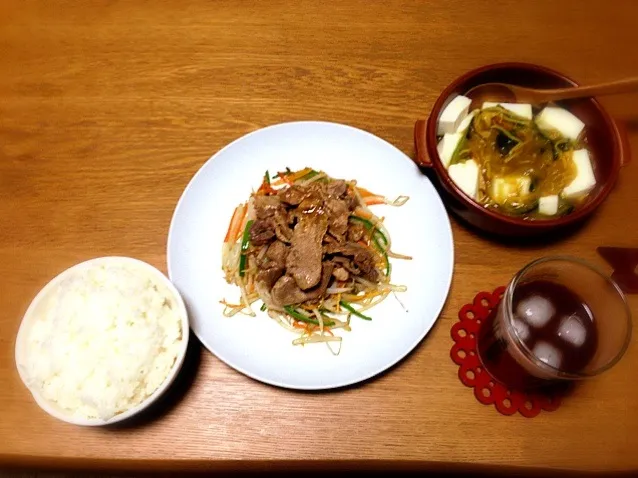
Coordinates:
column 108, row 108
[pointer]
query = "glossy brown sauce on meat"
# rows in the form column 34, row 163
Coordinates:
column 302, row 240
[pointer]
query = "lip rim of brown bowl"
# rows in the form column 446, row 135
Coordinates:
column 442, row 173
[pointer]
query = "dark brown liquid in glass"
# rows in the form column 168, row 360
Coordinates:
column 553, row 322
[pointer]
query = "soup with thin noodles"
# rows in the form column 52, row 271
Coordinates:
column 520, row 164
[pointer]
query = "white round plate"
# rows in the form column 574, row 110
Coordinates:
column 258, row 346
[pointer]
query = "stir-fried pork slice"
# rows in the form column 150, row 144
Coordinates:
column 311, row 203
column 267, row 206
column 287, row 292
column 268, row 277
column 362, row 258
column 262, row 232
column 338, row 214
column 304, row 259
column 292, row 195
column 336, row 188
column 277, row 253
column 271, row 208
column 273, row 264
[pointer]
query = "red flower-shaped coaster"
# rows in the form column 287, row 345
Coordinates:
column 487, row 390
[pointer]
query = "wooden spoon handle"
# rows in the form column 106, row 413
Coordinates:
column 613, row 87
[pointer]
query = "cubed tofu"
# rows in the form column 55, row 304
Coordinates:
column 560, row 120
column 523, row 110
column 508, row 187
column 466, row 122
column 453, row 114
column 548, row 205
column 447, row 146
column 466, row 176
column 585, row 179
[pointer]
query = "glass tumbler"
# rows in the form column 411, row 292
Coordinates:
column 560, row 319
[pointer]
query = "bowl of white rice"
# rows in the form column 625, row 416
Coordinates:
column 102, row 341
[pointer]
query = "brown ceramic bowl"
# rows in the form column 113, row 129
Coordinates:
column 606, row 139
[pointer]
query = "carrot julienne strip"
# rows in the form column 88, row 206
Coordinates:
column 235, row 223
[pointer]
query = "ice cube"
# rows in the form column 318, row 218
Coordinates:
column 572, row 330
column 548, row 353
column 522, row 329
column 535, row 310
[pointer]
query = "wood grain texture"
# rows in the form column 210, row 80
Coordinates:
column 107, row 108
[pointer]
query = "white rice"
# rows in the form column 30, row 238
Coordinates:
column 103, row 340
